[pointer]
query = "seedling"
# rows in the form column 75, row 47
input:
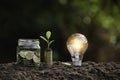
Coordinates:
column 47, row 39
column 48, row 52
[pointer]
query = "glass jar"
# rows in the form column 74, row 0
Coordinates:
column 28, row 52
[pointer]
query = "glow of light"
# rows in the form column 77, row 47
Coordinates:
column 77, row 45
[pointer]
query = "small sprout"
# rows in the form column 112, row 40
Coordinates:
column 36, row 59
column 46, row 39
column 48, row 34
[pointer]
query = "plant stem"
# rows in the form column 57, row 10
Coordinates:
column 48, row 43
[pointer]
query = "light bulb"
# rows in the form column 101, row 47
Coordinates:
column 77, row 45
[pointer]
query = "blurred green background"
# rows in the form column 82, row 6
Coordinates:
column 98, row 20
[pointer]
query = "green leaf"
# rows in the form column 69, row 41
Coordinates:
column 48, row 34
column 44, row 38
column 50, row 42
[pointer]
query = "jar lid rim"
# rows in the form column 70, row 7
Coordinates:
column 28, row 42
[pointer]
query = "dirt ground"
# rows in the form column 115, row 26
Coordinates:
column 59, row 71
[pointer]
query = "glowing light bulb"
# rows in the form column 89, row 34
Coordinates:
column 77, row 45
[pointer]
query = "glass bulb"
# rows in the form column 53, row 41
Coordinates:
column 77, row 45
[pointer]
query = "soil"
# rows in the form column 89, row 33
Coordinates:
column 60, row 71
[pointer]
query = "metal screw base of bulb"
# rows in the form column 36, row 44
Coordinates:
column 77, row 63
column 77, row 60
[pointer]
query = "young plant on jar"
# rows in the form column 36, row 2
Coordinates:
column 48, row 53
